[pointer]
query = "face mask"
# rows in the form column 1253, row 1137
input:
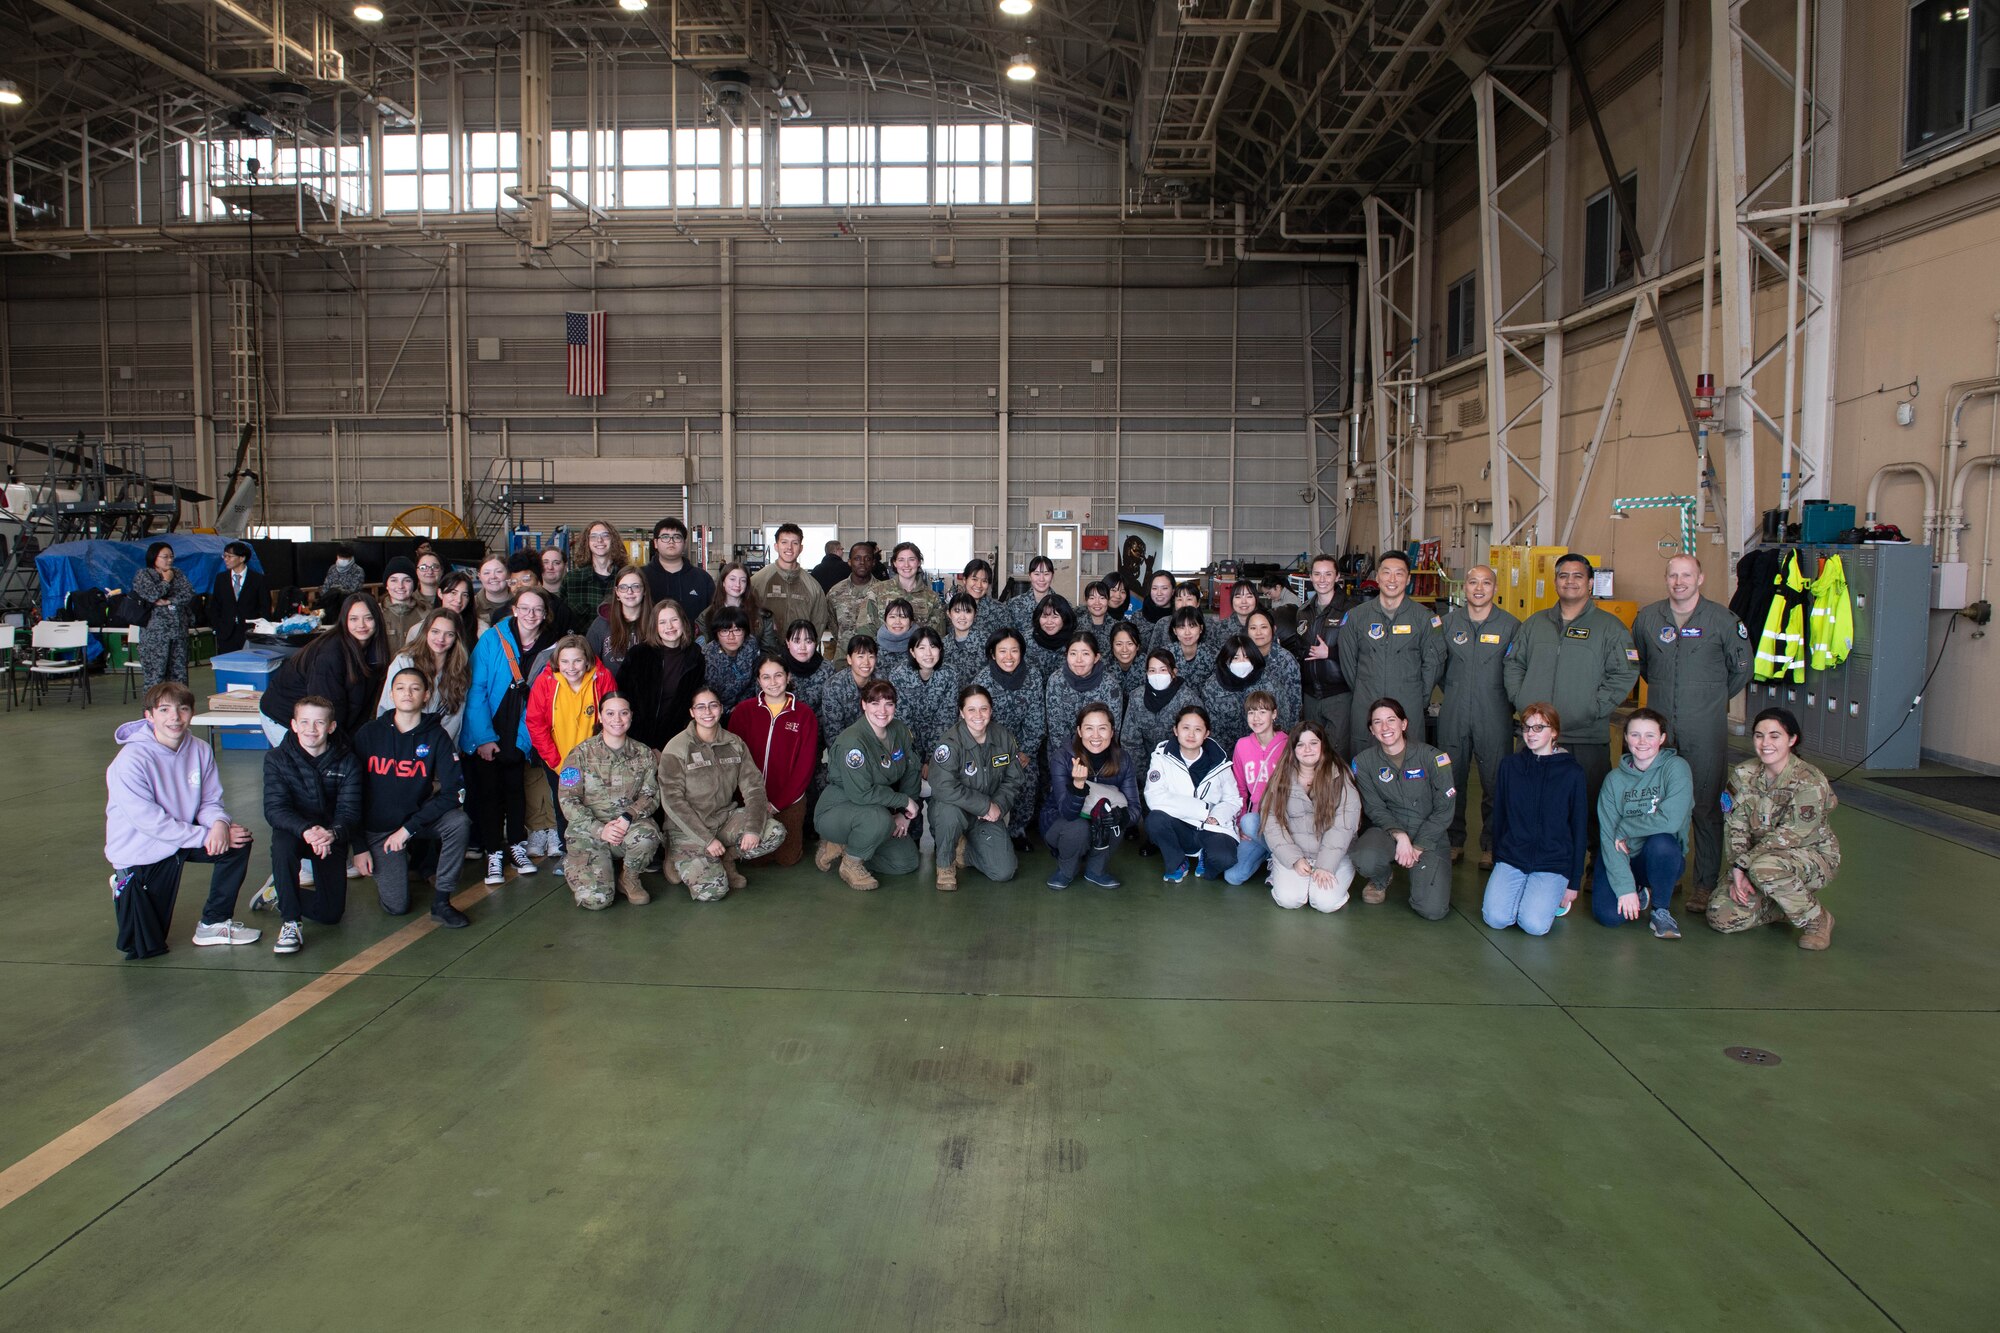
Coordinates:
column 1159, row 680
column 1240, row 669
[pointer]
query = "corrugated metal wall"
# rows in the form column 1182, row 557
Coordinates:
column 868, row 377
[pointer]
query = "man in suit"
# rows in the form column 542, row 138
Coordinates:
column 239, row 596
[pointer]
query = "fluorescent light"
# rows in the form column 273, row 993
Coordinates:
column 1021, row 68
column 1017, row 8
column 368, row 13
column 10, row 93
column 632, row 6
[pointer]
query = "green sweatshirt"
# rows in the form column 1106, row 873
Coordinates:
column 1634, row 805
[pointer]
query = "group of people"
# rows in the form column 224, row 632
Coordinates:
column 604, row 715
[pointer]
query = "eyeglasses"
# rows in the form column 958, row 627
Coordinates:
column 670, row 537
column 708, row 708
column 1535, row 726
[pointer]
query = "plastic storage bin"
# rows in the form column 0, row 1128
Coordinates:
column 253, row 667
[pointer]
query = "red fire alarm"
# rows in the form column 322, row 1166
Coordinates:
column 1100, row 541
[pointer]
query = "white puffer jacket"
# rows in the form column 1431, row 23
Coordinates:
column 1202, row 794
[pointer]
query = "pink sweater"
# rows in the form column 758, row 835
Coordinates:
column 1252, row 762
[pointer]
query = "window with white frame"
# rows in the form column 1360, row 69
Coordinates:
column 573, row 167
column 1461, row 313
column 286, row 532
column 984, row 164
column 416, row 168
column 330, row 172
column 947, row 547
column 1184, row 550
column 1953, row 75
column 1606, row 260
column 492, row 168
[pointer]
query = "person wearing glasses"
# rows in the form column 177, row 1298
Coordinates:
column 712, row 804
column 1539, row 825
column 589, row 583
column 1579, row 658
column 670, row 574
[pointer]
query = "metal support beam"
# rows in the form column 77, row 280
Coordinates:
column 145, row 50
column 459, row 407
column 726, row 314
column 201, row 389
column 1395, row 328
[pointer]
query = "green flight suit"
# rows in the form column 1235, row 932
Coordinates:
column 1584, row 668
column 966, row 777
column 870, row 780
column 1692, row 670
column 1391, row 654
column 1411, row 793
column 1476, row 722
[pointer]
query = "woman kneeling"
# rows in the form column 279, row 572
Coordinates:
column 608, row 790
column 1642, row 829
column 1309, row 816
column 1192, row 801
column 1541, row 824
column 1782, row 853
column 869, row 818
column 977, row 774
column 1407, row 794
column 713, row 798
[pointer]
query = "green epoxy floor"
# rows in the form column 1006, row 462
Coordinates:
column 1163, row 1107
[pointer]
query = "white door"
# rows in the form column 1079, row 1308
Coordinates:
column 1061, row 543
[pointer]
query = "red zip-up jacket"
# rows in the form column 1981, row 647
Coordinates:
column 541, row 709
column 785, row 748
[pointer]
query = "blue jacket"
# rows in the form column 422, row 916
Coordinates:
column 1541, row 814
column 490, row 679
column 1061, row 800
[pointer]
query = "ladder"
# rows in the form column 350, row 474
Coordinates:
column 246, row 374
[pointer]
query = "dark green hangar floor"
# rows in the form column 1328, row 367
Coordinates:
column 1165, row 1107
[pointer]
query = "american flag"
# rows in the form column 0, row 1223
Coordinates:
column 585, row 335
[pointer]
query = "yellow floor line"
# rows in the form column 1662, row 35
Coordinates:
column 134, row 1106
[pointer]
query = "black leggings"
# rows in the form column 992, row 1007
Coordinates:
column 499, row 800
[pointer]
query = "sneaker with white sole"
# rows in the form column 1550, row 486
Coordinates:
column 226, row 932
column 555, row 850
column 266, row 898
column 1664, row 925
column 534, row 842
column 352, row 872
column 291, row 937
column 305, row 874
column 496, row 868
column 524, row 864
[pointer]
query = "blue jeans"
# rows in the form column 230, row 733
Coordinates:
column 1656, row 868
column 1528, row 899
column 1179, row 842
column 1250, row 852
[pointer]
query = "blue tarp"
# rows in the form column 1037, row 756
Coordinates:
column 71, row 565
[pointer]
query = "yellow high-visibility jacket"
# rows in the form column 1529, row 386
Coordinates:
column 1830, row 635
column 1781, row 647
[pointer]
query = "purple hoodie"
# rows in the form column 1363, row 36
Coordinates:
column 159, row 801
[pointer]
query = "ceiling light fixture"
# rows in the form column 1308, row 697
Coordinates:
column 1017, row 8
column 10, row 93
column 632, row 6
column 368, row 13
column 1022, row 68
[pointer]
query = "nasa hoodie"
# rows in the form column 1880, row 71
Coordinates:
column 409, row 779
column 159, row 801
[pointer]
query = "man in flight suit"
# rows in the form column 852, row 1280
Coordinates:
column 1391, row 645
column 1694, row 656
column 1476, row 722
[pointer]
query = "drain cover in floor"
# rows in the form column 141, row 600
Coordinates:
column 1750, row 1055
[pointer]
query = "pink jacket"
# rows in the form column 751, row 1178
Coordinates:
column 1252, row 763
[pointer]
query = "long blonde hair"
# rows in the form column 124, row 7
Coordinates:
column 451, row 675
column 1329, row 780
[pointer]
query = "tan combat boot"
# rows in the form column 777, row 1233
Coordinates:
column 1374, row 893
column 958, row 857
column 854, row 874
column 729, row 871
column 1818, row 933
column 1486, row 860
column 629, row 885
column 1457, row 855
column 1696, row 902
column 947, row 878
column 828, row 854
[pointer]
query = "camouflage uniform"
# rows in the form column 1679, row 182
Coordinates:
column 966, row 776
column 1197, row 671
column 1144, row 729
column 854, row 612
column 599, row 784
column 734, row 679
column 839, row 705
column 964, row 657
column 1776, row 833
column 1065, row 696
column 929, row 708
column 923, row 600
column 700, row 782
column 788, row 595
column 1045, row 662
column 1021, row 711
column 989, row 617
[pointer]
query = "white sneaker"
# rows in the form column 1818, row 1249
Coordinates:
column 556, row 851
column 538, row 842
column 291, row 936
column 523, row 863
column 352, row 873
column 496, row 868
column 226, row 932
column 305, row 874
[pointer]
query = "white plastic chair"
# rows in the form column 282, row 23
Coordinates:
column 9, row 645
column 52, row 637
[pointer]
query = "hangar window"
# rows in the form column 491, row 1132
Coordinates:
column 1461, row 312
column 847, row 166
column 494, row 169
column 574, row 167
column 947, row 547
column 416, row 166
column 1954, row 71
column 1606, row 260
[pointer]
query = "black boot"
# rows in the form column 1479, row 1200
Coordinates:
column 445, row 914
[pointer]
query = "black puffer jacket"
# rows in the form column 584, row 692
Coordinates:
column 324, row 673
column 301, row 791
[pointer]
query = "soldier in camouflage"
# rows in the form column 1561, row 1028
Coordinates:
column 965, row 640
column 840, row 697
column 1019, row 705
column 978, row 776
column 854, row 610
column 926, row 690
column 906, row 580
column 609, row 789
column 1781, row 851
column 713, row 799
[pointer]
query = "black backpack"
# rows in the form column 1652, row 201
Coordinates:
column 93, row 607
